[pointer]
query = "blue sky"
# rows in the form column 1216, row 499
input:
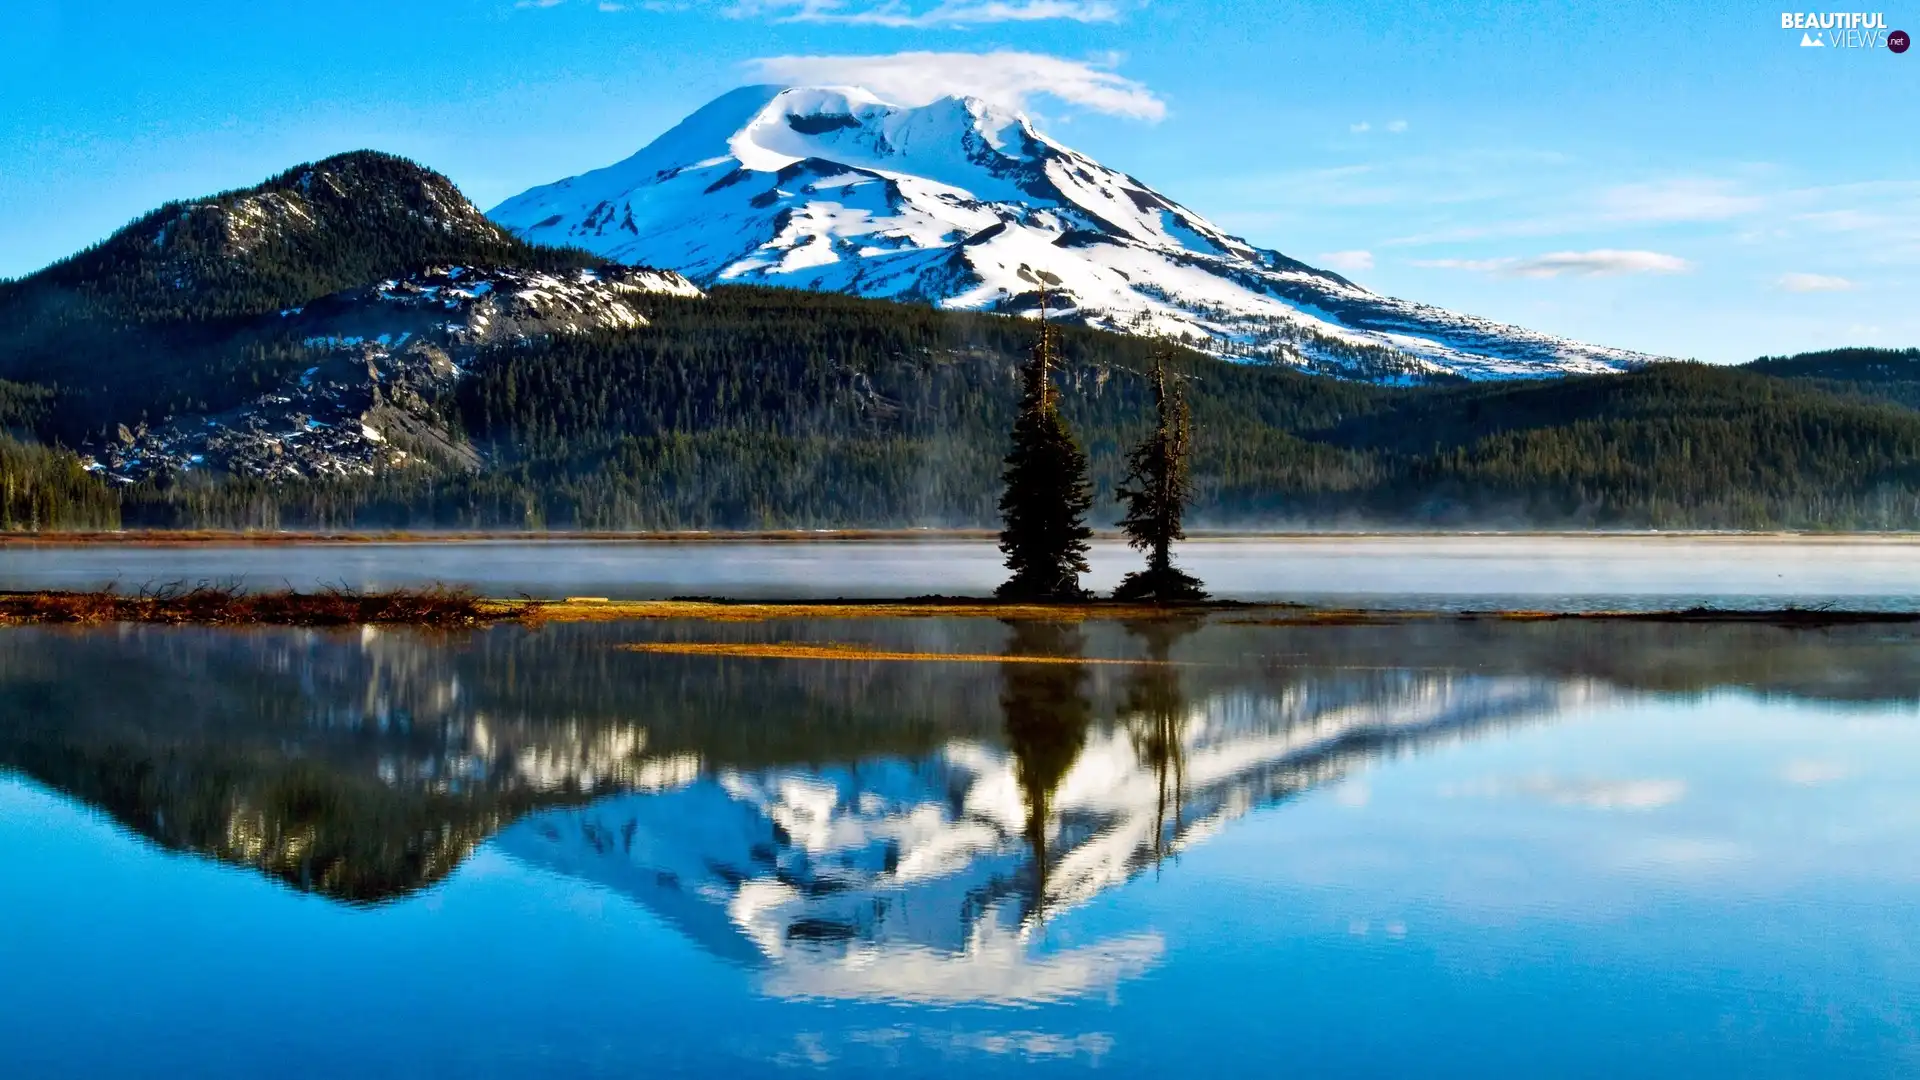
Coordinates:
column 1683, row 178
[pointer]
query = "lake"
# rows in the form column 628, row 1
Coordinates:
column 1560, row 572
column 1212, row 845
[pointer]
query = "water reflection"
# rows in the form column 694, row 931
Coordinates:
column 1155, row 715
column 932, row 879
column 902, row 832
column 1046, row 718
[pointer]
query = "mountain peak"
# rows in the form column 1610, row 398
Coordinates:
column 834, row 188
column 360, row 186
column 316, row 228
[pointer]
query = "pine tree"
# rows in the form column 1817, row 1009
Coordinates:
column 1156, row 492
column 1047, row 496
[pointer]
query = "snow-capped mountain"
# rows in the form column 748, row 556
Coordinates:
column 961, row 203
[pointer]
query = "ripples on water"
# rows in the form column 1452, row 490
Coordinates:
column 1446, row 849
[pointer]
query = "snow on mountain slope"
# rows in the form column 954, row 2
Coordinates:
column 834, row 189
column 380, row 357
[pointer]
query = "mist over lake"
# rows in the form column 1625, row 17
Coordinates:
column 1440, row 571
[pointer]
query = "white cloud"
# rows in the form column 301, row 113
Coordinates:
column 1569, row 791
column 905, row 14
column 1686, row 199
column 1397, row 126
column 1005, row 77
column 1347, row 260
column 1484, row 266
column 1360, row 127
column 1680, row 201
column 1805, row 773
column 998, row 968
column 1603, row 262
column 1615, row 795
column 1804, row 283
column 1847, row 220
column 1699, row 854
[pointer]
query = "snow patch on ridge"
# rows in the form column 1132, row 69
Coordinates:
column 382, row 357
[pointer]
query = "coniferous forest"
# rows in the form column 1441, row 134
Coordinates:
column 768, row 408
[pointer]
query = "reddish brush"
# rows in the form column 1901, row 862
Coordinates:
column 229, row 605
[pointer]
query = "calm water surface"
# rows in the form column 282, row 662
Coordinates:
column 1427, row 849
column 1562, row 572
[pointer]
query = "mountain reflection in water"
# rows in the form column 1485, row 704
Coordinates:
column 927, row 877
column 848, row 830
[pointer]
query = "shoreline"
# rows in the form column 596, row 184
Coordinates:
column 265, row 538
column 455, row 609
column 162, row 538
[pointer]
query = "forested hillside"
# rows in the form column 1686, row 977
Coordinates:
column 761, row 407
column 1873, row 374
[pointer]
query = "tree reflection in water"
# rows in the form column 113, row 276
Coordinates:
column 1047, row 715
column 1154, row 711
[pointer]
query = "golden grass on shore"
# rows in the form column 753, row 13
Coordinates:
column 796, row 650
column 598, row 610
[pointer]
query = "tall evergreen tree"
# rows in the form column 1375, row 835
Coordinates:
column 1047, row 496
column 1156, row 492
